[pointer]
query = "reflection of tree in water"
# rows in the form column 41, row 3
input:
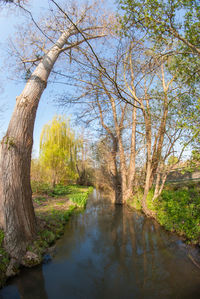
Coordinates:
column 31, row 284
column 140, row 253
column 111, row 252
column 125, row 240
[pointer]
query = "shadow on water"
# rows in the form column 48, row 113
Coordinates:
column 111, row 252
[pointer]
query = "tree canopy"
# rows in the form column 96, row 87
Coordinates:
column 172, row 23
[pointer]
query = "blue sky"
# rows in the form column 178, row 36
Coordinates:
column 10, row 88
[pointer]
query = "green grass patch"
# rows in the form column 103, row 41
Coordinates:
column 80, row 198
column 62, row 190
column 77, row 194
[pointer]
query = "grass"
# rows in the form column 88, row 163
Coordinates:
column 80, row 198
column 77, row 194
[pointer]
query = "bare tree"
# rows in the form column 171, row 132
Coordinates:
column 143, row 86
column 156, row 94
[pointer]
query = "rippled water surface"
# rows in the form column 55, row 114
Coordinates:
column 111, row 252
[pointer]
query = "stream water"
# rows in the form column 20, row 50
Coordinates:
column 110, row 252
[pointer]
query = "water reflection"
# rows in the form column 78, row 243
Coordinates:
column 111, row 252
column 29, row 285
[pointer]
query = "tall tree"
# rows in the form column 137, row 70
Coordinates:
column 16, row 209
column 155, row 93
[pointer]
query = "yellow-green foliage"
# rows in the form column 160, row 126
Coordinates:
column 59, row 148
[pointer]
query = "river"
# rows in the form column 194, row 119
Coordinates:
column 111, row 252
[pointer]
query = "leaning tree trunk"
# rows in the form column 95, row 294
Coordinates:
column 16, row 209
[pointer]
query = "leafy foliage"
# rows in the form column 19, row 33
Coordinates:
column 59, row 148
column 172, row 30
column 168, row 24
column 163, row 19
column 179, row 211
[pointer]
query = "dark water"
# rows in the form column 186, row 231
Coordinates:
column 111, row 252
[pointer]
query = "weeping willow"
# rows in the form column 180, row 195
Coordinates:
column 59, row 150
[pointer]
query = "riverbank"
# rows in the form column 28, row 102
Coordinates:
column 177, row 209
column 53, row 207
